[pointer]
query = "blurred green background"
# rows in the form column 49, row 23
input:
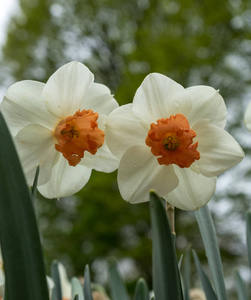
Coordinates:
column 194, row 43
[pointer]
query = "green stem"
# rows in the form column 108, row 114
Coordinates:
column 171, row 217
column 209, row 237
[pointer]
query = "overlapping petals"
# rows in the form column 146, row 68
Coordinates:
column 207, row 103
column 121, row 132
column 193, row 189
column 159, row 98
column 138, row 169
column 22, row 105
column 65, row 180
column 33, row 110
column 36, row 147
column 218, row 149
column 98, row 98
column 64, row 92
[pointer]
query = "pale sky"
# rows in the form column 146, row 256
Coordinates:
column 7, row 9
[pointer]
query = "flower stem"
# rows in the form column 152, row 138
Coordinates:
column 171, row 217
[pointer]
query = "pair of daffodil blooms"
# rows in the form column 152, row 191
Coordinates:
column 169, row 139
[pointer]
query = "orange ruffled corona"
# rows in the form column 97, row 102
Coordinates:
column 172, row 139
column 78, row 133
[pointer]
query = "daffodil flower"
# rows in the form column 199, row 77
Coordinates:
column 60, row 126
column 172, row 140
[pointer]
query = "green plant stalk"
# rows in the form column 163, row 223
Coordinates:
column 76, row 289
column 141, row 290
column 207, row 287
column 20, row 242
column 34, row 186
column 87, row 284
column 187, row 273
column 117, row 287
column 209, row 238
column 248, row 230
column 56, row 278
column 166, row 277
column 240, row 287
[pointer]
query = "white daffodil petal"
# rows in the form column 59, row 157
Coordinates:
column 160, row 97
column 219, row 151
column 22, row 106
column 139, row 172
column 64, row 92
column 123, row 130
column 98, row 97
column 247, row 117
column 103, row 160
column 194, row 190
column 207, row 103
column 65, row 180
column 35, row 145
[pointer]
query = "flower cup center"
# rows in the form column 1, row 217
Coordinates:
column 171, row 143
column 172, row 140
column 77, row 134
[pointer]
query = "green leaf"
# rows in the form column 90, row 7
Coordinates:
column 76, row 289
column 117, row 287
column 209, row 237
column 248, row 230
column 240, row 287
column 20, row 242
column 180, row 261
column 53, row 295
column 207, row 287
column 187, row 274
column 166, row 278
column 57, row 290
column 141, row 290
column 87, row 284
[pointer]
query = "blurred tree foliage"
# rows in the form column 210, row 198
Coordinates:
column 193, row 42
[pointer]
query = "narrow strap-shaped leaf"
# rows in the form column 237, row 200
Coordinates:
column 76, row 289
column 57, row 290
column 248, row 225
column 87, row 284
column 166, row 278
column 207, row 287
column 240, row 287
column 20, row 242
column 187, row 274
column 34, row 186
column 53, row 294
column 117, row 287
column 209, row 237
column 141, row 291
column 180, row 261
